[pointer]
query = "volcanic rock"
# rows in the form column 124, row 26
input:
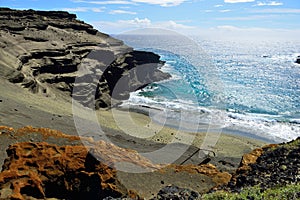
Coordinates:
column 174, row 192
column 41, row 170
column 269, row 166
column 298, row 60
column 73, row 167
column 47, row 51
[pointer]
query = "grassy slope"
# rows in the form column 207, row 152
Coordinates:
column 288, row 192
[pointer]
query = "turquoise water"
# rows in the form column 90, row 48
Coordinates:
column 248, row 86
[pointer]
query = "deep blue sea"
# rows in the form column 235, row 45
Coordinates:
column 249, row 87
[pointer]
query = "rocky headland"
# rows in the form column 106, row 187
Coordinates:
column 44, row 51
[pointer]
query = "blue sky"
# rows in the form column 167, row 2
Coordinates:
column 268, row 17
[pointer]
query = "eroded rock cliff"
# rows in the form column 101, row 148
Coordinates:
column 47, row 51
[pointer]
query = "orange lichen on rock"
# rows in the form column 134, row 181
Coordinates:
column 250, row 158
column 41, row 170
column 6, row 129
column 104, row 151
column 110, row 153
column 46, row 132
column 219, row 178
column 270, row 166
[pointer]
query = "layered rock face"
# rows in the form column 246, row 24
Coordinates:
column 47, row 51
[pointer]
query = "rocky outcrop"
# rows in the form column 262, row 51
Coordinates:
column 64, row 168
column 41, row 170
column 298, row 60
column 175, row 192
column 269, row 166
column 46, row 51
column 219, row 178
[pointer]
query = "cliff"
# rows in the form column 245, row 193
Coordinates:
column 50, row 51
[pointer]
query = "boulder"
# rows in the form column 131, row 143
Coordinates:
column 298, row 60
column 175, row 192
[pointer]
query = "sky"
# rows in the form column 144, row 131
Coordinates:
column 269, row 18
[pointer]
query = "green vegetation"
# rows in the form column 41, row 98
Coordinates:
column 294, row 144
column 289, row 192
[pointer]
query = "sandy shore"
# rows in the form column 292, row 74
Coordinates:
column 141, row 126
column 134, row 130
column 128, row 129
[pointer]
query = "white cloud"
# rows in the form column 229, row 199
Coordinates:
column 238, row 1
column 220, row 32
column 78, row 9
column 218, row 6
column 224, row 11
column 113, row 12
column 164, row 3
column 137, row 23
column 279, row 11
column 227, row 28
column 171, row 25
column 97, row 9
column 248, row 18
column 251, row 33
column 83, row 9
column 271, row 3
column 112, row 2
column 121, row 25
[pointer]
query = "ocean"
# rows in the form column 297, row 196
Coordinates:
column 245, row 87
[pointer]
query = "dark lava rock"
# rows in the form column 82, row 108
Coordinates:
column 173, row 192
column 269, row 166
column 15, row 76
column 298, row 60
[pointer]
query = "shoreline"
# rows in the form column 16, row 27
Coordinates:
column 140, row 125
column 134, row 130
column 147, row 110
